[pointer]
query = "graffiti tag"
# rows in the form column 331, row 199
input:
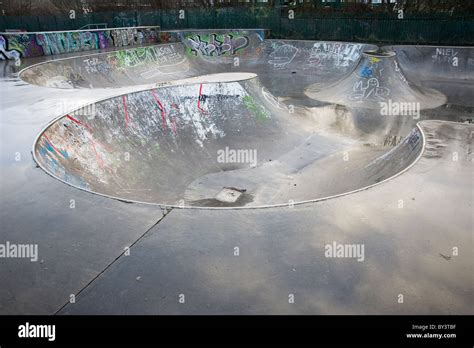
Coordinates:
column 216, row 45
column 282, row 56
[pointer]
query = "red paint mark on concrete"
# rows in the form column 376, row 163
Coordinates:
column 173, row 105
column 124, row 101
column 162, row 108
column 97, row 156
column 52, row 145
column 78, row 122
column 90, row 129
column 199, row 100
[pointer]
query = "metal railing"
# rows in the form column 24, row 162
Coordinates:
column 94, row 26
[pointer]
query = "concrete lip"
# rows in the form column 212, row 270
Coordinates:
column 216, row 78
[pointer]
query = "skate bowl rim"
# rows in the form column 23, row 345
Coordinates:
column 174, row 206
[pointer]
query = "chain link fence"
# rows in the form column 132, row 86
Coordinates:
column 384, row 27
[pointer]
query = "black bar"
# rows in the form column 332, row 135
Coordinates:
column 222, row 330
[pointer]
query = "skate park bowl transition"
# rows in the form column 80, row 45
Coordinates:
column 268, row 123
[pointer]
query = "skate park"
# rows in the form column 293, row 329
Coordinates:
column 123, row 165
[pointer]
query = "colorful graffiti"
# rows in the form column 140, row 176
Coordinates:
column 49, row 43
column 220, row 43
column 341, row 54
column 171, row 36
column 257, row 110
column 153, row 60
column 93, row 66
column 5, row 53
column 162, row 55
column 368, row 86
column 54, row 159
column 216, row 44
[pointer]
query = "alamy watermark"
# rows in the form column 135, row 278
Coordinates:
column 65, row 106
column 24, row 251
column 392, row 108
column 336, row 250
column 228, row 155
column 28, row 330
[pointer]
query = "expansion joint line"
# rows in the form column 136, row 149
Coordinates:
column 164, row 210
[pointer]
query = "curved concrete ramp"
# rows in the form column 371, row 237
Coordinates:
column 378, row 78
column 221, row 144
column 436, row 63
column 285, row 67
column 449, row 70
column 129, row 67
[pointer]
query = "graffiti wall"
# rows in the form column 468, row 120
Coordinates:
column 323, row 57
column 130, row 66
column 171, row 36
column 25, row 45
column 216, row 45
column 339, row 53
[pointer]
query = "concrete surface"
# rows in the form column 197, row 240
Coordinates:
column 409, row 181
